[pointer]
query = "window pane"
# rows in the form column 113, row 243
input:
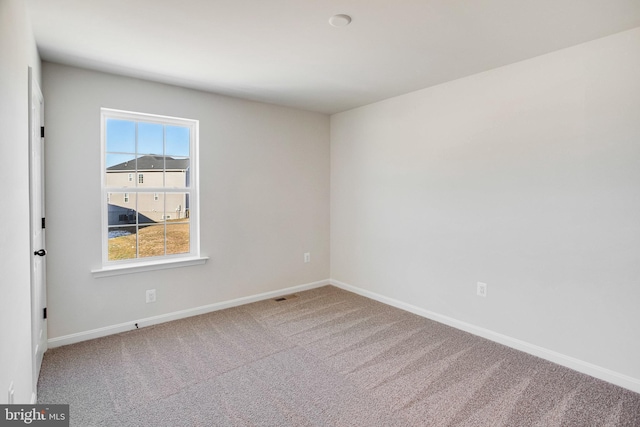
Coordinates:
column 176, row 206
column 177, row 238
column 121, row 208
column 120, row 170
column 120, row 136
column 150, row 137
column 151, row 168
column 150, row 207
column 151, row 240
column 177, row 141
column 122, row 242
column 178, row 172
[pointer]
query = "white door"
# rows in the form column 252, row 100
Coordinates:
column 38, row 263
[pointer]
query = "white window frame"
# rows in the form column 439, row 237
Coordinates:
column 193, row 257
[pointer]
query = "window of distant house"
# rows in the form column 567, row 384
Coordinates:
column 153, row 219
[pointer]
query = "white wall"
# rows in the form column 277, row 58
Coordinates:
column 525, row 177
column 264, row 173
column 17, row 53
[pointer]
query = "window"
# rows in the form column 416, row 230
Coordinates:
column 153, row 221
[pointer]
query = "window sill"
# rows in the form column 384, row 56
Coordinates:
column 146, row 266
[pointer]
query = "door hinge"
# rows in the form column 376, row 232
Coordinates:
column 42, row 222
column 44, row 314
column 41, row 131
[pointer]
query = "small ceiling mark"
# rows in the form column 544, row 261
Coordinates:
column 340, row 20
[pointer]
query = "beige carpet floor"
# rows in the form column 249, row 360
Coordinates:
column 325, row 358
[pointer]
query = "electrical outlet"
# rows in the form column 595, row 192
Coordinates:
column 151, row 295
column 307, row 257
column 482, row 289
column 10, row 396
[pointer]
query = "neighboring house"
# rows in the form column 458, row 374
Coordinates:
column 153, row 172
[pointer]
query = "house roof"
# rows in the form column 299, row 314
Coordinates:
column 152, row 162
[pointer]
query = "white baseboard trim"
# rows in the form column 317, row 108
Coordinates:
column 128, row 326
column 590, row 369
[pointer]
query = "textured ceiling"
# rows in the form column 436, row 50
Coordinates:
column 285, row 52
